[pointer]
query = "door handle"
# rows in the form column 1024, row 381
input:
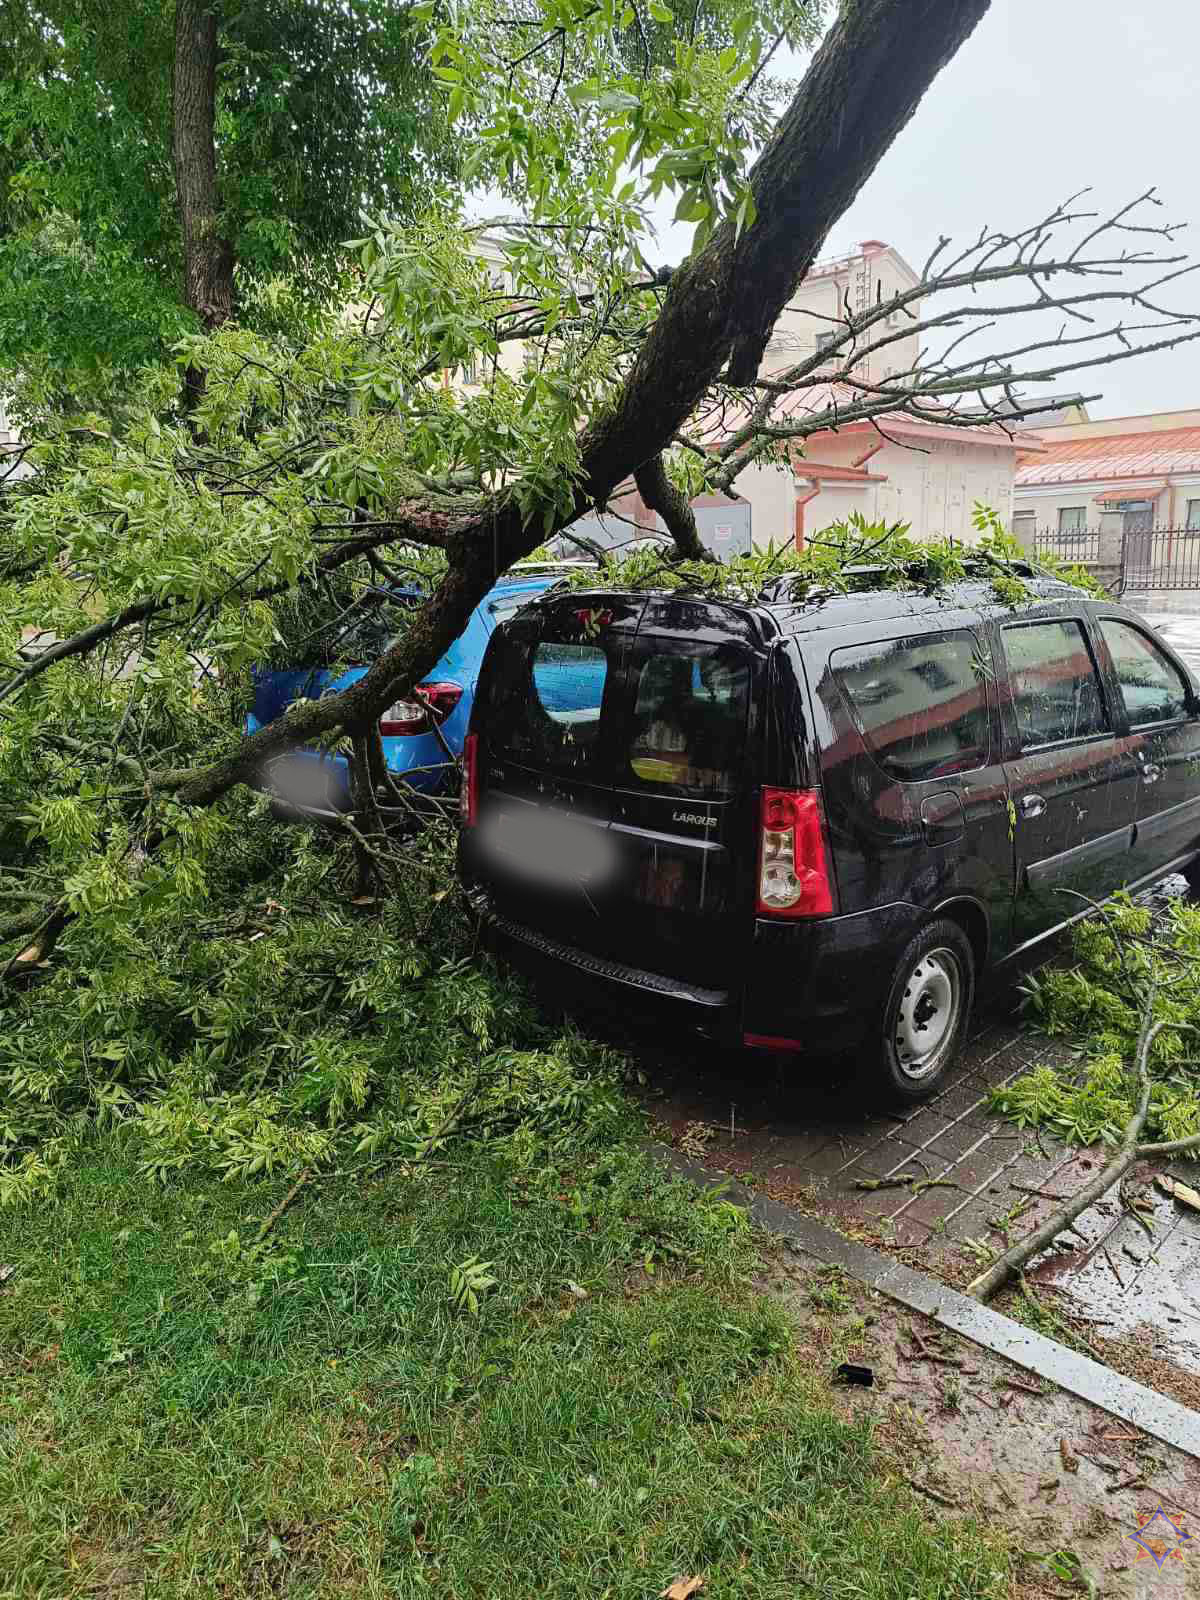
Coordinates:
column 1151, row 772
column 1032, row 805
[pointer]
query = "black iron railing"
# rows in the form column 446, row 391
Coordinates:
column 1138, row 558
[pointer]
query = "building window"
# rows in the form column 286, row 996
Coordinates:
column 1193, row 516
column 824, row 340
column 1072, row 519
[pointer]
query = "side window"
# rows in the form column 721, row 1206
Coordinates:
column 920, row 704
column 1056, row 692
column 1151, row 688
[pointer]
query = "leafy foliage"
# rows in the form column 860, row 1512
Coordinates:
column 235, row 1015
column 319, row 108
column 1096, row 1002
column 848, row 557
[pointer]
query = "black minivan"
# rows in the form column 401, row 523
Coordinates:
column 810, row 824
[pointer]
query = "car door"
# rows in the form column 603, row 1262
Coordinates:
column 550, row 692
column 1163, row 710
column 1072, row 775
column 915, row 796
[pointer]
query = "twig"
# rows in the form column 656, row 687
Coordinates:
column 935, row 1494
column 1025, row 1388
column 282, row 1206
column 1136, row 1481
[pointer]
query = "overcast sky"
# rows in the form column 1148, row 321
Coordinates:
column 1049, row 96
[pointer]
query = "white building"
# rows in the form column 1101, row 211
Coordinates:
column 872, row 275
column 902, row 470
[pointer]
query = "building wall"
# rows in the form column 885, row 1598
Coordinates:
column 771, row 494
column 934, row 488
column 874, row 273
column 1045, row 503
column 1153, row 422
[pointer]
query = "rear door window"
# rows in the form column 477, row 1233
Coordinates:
column 687, row 726
column 919, row 703
column 1056, row 693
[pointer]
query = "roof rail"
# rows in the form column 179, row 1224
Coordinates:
column 569, row 564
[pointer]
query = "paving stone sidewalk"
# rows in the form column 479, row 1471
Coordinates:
column 972, row 1176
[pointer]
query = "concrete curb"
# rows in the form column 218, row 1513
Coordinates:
column 1162, row 1418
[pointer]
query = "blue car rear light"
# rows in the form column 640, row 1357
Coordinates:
column 430, row 701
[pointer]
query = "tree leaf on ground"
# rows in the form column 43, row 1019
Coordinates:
column 682, row 1588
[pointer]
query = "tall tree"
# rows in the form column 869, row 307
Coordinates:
column 207, row 253
column 154, row 158
column 351, row 452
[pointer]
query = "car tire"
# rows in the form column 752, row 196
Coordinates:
column 927, row 1013
column 1192, row 874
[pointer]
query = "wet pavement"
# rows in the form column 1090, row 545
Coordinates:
column 1177, row 617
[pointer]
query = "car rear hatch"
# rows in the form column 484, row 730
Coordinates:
column 615, row 762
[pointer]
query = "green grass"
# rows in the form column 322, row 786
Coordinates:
column 182, row 1414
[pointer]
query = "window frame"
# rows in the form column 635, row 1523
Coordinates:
column 980, row 642
column 1189, row 694
column 1193, row 511
column 1102, row 681
column 1076, row 528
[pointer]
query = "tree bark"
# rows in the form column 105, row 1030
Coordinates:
column 207, row 254
column 673, row 506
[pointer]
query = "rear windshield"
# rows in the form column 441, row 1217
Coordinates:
column 687, row 731
column 545, row 702
column 677, row 718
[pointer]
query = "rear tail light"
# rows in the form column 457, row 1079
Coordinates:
column 469, row 797
column 436, row 700
column 793, row 874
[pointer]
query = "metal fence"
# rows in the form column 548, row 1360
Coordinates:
column 1138, row 558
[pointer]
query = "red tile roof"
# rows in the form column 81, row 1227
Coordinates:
column 1120, row 455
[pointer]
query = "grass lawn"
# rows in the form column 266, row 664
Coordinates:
column 184, row 1413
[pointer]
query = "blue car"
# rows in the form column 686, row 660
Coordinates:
column 422, row 736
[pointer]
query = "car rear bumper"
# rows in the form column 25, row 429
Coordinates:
column 813, row 987
column 590, row 981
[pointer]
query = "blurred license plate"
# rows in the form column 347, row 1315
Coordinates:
column 551, row 847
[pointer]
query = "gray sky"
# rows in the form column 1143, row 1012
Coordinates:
column 1047, row 97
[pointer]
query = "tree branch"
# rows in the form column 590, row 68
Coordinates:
column 673, row 506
